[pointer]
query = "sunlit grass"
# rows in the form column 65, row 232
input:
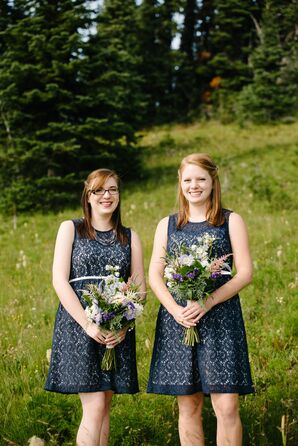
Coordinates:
column 258, row 168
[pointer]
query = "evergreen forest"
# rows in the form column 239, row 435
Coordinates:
column 81, row 80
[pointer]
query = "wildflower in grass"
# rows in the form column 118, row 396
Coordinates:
column 191, row 274
column 113, row 305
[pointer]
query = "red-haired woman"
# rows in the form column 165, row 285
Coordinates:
column 218, row 365
column 83, row 249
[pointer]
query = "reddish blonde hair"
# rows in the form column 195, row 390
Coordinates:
column 95, row 180
column 214, row 210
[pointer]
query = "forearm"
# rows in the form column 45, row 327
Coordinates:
column 229, row 289
column 70, row 302
column 161, row 292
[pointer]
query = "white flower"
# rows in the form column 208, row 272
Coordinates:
column 186, row 259
column 36, row 441
column 91, row 311
column 168, row 272
column 138, row 309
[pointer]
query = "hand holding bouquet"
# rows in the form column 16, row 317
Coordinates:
column 113, row 305
column 190, row 275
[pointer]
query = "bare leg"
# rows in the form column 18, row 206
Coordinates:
column 229, row 428
column 105, row 429
column 95, row 410
column 190, row 420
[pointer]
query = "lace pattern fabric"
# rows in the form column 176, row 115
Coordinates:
column 76, row 358
column 219, row 363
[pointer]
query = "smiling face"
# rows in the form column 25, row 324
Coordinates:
column 196, row 184
column 104, row 198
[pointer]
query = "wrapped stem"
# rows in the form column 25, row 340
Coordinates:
column 191, row 336
column 109, row 359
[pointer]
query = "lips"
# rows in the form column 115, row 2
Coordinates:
column 106, row 204
column 195, row 193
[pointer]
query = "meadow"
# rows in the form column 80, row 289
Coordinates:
column 258, row 172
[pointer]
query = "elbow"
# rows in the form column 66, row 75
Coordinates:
column 58, row 283
column 248, row 276
column 55, row 283
column 245, row 276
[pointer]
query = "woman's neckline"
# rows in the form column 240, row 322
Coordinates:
column 102, row 232
column 195, row 222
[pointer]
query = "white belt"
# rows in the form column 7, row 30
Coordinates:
column 87, row 278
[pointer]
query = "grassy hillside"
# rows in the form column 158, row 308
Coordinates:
column 258, row 171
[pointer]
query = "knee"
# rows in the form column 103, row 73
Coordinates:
column 227, row 409
column 190, row 406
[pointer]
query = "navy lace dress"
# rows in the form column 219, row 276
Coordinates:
column 76, row 358
column 219, row 362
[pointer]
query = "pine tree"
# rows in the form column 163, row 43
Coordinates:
column 114, row 101
column 273, row 91
column 62, row 122
column 157, row 30
column 39, row 85
column 232, row 40
column 187, row 83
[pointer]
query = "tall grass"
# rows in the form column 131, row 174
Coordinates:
column 258, row 170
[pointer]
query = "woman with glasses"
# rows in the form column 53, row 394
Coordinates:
column 83, row 249
column 218, row 364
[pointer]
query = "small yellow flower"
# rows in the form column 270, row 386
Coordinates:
column 48, row 354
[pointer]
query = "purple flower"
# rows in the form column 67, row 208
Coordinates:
column 178, row 277
column 215, row 275
column 108, row 316
column 130, row 313
column 191, row 275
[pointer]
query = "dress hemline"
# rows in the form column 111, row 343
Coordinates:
column 72, row 391
column 181, row 390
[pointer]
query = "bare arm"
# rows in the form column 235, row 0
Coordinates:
column 137, row 262
column 156, row 273
column 61, row 270
column 243, row 265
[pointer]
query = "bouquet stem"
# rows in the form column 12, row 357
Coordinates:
column 191, row 336
column 109, row 359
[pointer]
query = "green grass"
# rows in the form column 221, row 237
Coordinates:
column 258, row 170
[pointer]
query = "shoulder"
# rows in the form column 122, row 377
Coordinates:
column 66, row 232
column 236, row 222
column 163, row 224
column 134, row 236
column 67, row 225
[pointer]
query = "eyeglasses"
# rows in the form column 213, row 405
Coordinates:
column 101, row 191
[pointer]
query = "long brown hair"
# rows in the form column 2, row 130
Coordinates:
column 97, row 179
column 214, row 209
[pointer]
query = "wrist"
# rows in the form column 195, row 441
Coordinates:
column 210, row 302
column 172, row 308
column 87, row 325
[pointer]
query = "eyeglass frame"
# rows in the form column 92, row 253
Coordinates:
column 93, row 191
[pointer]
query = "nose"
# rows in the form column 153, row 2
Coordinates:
column 106, row 191
column 194, row 184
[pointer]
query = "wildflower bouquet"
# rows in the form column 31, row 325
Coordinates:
column 113, row 305
column 190, row 275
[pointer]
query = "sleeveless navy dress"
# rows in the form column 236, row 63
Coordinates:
column 76, row 357
column 219, row 362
